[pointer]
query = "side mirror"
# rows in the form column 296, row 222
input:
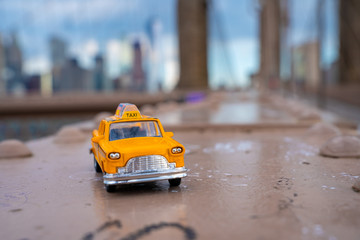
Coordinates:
column 95, row 133
column 169, row 134
column 96, row 139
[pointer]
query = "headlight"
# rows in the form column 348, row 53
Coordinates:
column 114, row 155
column 176, row 150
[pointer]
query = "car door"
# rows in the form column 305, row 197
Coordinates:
column 100, row 154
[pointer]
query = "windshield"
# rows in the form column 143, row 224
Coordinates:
column 124, row 130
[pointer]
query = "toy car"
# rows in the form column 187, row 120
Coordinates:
column 132, row 148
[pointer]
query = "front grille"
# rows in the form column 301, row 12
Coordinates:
column 148, row 163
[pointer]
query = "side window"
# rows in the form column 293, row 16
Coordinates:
column 154, row 129
column 101, row 128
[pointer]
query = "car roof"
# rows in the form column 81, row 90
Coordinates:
column 114, row 118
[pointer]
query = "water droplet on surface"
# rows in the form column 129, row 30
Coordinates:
column 341, row 146
column 13, row 148
column 318, row 230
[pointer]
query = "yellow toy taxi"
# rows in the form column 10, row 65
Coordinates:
column 132, row 148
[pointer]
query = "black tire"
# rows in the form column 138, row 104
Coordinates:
column 110, row 188
column 97, row 166
column 175, row 182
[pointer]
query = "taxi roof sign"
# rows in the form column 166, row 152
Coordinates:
column 127, row 110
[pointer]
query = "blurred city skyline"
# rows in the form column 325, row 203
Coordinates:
column 103, row 33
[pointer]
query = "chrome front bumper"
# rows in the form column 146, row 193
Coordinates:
column 119, row 179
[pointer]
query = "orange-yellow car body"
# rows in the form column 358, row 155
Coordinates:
column 132, row 148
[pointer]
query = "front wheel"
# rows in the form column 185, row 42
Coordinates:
column 110, row 188
column 97, row 166
column 175, row 182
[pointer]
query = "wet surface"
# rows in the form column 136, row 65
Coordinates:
column 265, row 185
column 259, row 184
column 246, row 111
column 243, row 109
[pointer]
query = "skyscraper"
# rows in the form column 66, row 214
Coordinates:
column 138, row 75
column 2, row 69
column 155, row 61
column 58, row 55
column 13, row 59
column 73, row 77
column 99, row 73
column 58, row 51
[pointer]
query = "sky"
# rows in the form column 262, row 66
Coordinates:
column 104, row 26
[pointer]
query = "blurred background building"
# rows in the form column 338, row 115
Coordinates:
column 151, row 45
column 301, row 48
